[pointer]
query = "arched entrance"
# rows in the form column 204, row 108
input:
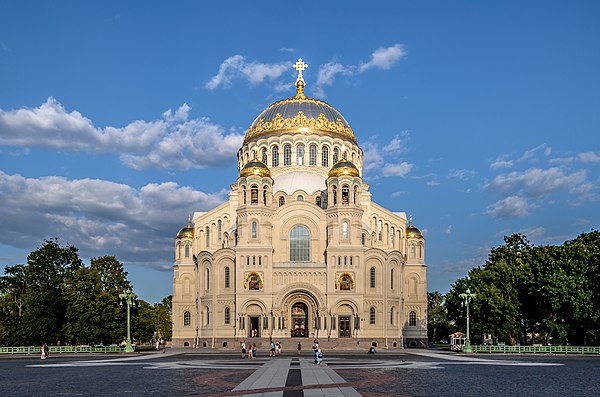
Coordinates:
column 299, row 320
column 301, row 310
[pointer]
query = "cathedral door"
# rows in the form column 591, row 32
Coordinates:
column 344, row 326
column 299, row 320
column 254, row 327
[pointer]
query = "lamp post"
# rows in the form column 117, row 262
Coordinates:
column 466, row 297
column 129, row 298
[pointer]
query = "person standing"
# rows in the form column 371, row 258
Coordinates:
column 43, row 351
column 299, row 347
column 254, row 350
column 319, row 356
column 243, row 345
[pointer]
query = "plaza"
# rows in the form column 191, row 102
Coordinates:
column 410, row 372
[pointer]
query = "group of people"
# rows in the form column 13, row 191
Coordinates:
column 250, row 352
column 45, row 351
column 275, row 349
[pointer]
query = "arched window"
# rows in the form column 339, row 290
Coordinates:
column 264, row 155
column 345, row 230
column 227, row 315
column 207, row 281
column 412, row 319
column 372, row 315
column 219, row 229
column 325, row 156
column 420, row 251
column 281, row 201
column 312, row 155
column 254, row 230
column 265, row 195
column 334, row 194
column 287, row 154
column 363, row 239
column 299, row 244
column 207, row 236
column 227, row 283
column 244, row 194
column 392, row 279
column 187, row 319
column 345, row 194
column 372, row 277
column 275, row 156
column 254, row 194
column 318, row 201
column 336, row 155
column 345, row 155
column 392, row 235
column 392, row 316
column 380, row 230
column 356, row 195
column 412, row 250
column 207, row 316
column 300, row 154
column 187, row 251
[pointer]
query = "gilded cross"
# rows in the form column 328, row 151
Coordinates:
column 300, row 66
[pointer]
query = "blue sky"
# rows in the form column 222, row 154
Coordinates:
column 117, row 119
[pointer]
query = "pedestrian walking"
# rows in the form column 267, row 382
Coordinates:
column 272, row 350
column 299, row 347
column 43, row 351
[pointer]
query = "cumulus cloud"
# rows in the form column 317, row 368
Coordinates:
column 536, row 182
column 448, row 230
column 588, row 157
column 384, row 58
column 510, row 207
column 400, row 169
column 237, row 66
column 99, row 217
column 174, row 142
column 326, row 75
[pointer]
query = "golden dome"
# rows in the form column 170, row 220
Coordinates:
column 255, row 167
column 413, row 232
column 188, row 231
column 343, row 167
column 300, row 114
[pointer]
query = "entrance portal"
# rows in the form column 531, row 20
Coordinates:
column 344, row 326
column 254, row 327
column 299, row 320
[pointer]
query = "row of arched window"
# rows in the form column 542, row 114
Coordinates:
column 275, row 157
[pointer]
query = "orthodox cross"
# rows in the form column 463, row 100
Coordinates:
column 300, row 66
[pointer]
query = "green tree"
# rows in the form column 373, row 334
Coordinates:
column 438, row 326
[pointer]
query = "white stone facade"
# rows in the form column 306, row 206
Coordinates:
column 299, row 250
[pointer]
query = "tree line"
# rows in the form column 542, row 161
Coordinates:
column 527, row 294
column 55, row 298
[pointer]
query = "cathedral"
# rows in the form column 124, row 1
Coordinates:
column 299, row 249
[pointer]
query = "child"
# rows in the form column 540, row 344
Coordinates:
column 319, row 356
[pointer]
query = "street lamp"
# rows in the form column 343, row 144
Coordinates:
column 129, row 298
column 466, row 297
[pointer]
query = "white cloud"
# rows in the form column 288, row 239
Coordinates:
column 533, row 232
column 448, row 230
column 384, row 58
column 536, row 182
column 500, row 163
column 397, row 194
column 588, row 157
column 173, row 142
column 400, row 169
column 98, row 216
column 510, row 207
column 432, row 183
column 398, row 143
column 582, row 221
column 532, row 153
column 462, row 174
column 237, row 66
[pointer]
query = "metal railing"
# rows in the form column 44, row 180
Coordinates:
column 537, row 349
column 60, row 349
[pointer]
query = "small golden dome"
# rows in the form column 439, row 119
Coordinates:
column 255, row 167
column 413, row 232
column 343, row 167
column 188, row 231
